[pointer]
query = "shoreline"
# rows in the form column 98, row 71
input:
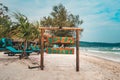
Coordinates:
column 107, row 56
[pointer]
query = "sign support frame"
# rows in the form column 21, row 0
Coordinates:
column 57, row 28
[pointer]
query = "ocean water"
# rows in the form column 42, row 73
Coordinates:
column 107, row 50
column 109, row 53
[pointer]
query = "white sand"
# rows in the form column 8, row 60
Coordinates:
column 58, row 67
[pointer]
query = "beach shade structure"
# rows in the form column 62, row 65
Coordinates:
column 46, row 36
column 18, row 40
column 14, row 51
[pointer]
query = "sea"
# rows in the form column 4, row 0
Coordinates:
column 109, row 51
column 112, row 50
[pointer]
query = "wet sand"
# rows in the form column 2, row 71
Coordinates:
column 58, row 67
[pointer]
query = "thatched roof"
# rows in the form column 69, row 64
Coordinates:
column 46, row 36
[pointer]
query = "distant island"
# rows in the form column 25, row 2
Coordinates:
column 98, row 44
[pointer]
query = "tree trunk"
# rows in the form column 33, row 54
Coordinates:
column 24, row 51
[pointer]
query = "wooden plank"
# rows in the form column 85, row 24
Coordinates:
column 42, row 51
column 63, row 28
column 60, row 50
column 77, row 50
column 65, row 40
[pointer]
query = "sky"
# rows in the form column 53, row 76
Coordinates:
column 101, row 17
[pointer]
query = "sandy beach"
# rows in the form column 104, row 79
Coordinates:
column 58, row 67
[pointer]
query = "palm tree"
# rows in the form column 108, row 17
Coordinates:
column 35, row 30
column 25, row 30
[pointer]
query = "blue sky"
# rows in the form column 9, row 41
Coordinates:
column 101, row 17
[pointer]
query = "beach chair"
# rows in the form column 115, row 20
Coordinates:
column 34, row 48
column 5, row 42
column 2, row 44
column 2, row 49
column 14, row 51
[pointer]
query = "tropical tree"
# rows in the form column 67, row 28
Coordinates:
column 35, row 30
column 59, row 17
column 25, row 30
column 5, row 21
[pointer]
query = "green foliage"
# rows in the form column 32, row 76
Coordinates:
column 23, row 26
column 35, row 30
column 59, row 17
column 25, row 30
column 5, row 21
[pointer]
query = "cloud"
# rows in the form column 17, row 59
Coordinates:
column 116, row 16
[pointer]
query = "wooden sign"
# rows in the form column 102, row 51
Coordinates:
column 60, row 50
column 64, row 40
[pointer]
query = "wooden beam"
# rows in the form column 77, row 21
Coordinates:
column 77, row 50
column 63, row 28
column 42, row 50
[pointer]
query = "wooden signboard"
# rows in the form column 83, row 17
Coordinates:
column 60, row 50
column 64, row 40
column 61, row 40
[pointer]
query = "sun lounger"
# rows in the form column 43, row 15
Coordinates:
column 15, row 51
column 34, row 48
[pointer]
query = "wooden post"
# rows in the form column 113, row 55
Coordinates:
column 42, row 50
column 77, row 50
